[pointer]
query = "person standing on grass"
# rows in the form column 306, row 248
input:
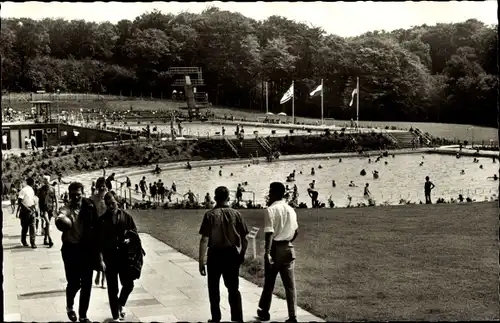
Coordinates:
column 224, row 233
column 428, row 187
column 79, row 250
column 98, row 199
column 121, row 250
column 27, row 212
column 48, row 206
column 281, row 229
column 143, row 186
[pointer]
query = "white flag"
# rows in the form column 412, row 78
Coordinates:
column 288, row 95
column 316, row 90
column 355, row 91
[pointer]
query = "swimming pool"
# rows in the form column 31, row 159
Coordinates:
column 401, row 178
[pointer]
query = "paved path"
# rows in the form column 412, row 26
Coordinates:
column 169, row 290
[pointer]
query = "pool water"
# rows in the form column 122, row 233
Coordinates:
column 402, row 178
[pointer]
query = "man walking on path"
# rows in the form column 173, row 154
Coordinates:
column 47, row 199
column 79, row 250
column 280, row 230
column 428, row 187
column 224, row 233
column 118, row 240
column 98, row 200
column 27, row 212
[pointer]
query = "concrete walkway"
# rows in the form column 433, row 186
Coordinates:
column 169, row 290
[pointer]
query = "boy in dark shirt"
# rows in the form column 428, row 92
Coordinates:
column 428, row 186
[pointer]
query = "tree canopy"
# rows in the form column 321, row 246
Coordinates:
column 442, row 73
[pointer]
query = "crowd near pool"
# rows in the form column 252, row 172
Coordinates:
column 210, row 129
column 402, row 177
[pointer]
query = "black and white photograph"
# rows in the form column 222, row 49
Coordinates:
column 250, row 161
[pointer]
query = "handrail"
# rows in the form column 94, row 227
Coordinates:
column 391, row 137
column 263, row 144
column 267, row 143
column 252, row 192
column 232, row 146
column 426, row 137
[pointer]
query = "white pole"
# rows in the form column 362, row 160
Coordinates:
column 322, row 101
column 267, row 102
column 357, row 102
column 293, row 103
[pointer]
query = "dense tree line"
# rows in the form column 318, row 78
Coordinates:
column 444, row 73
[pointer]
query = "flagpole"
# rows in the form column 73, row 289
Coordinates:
column 293, row 102
column 267, row 106
column 357, row 102
column 321, row 101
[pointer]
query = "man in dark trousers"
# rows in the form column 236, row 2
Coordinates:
column 47, row 199
column 224, row 233
column 79, row 250
column 115, row 225
column 280, row 230
column 27, row 212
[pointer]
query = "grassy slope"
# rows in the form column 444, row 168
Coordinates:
column 421, row 262
column 441, row 130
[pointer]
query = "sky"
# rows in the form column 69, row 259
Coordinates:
column 341, row 18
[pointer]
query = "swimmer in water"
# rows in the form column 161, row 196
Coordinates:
column 340, row 160
column 480, row 166
column 189, row 166
column 393, row 156
column 362, row 173
column 462, row 172
column 320, row 167
column 369, row 160
column 494, row 159
column 386, row 162
column 209, row 167
column 231, row 174
column 220, row 173
column 311, row 185
column 351, row 184
column 300, row 172
column 421, row 164
column 312, row 171
column 333, row 183
column 375, row 174
column 494, row 177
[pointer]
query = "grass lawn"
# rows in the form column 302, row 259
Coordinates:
column 415, row 262
column 441, row 130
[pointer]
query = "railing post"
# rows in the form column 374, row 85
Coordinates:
column 251, row 236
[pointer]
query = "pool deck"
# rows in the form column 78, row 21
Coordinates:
column 169, row 290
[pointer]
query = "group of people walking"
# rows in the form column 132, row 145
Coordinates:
column 96, row 236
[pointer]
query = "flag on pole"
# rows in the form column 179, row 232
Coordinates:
column 288, row 95
column 355, row 91
column 317, row 90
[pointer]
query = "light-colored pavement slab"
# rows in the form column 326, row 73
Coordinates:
column 169, row 290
